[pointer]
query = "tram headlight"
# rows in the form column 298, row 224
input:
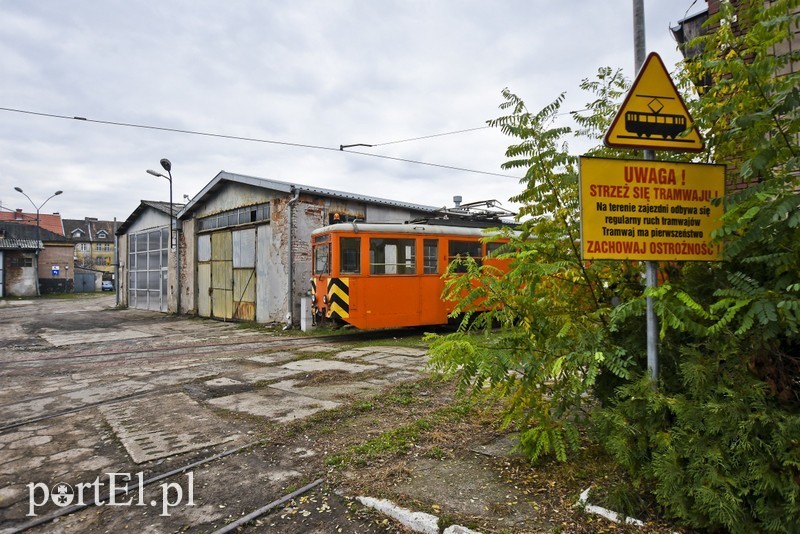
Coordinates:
column 313, row 298
column 324, row 299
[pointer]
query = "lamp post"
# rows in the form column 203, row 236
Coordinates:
column 167, row 166
column 38, row 228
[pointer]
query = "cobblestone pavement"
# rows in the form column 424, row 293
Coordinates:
column 93, row 397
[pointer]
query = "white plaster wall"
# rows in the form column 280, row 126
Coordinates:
column 188, row 267
column 148, row 220
column 378, row 214
column 271, row 278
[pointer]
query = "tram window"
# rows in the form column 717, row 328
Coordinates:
column 492, row 247
column 392, row 256
column 463, row 249
column 431, row 256
column 322, row 255
column 350, row 255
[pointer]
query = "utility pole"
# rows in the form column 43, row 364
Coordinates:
column 651, row 267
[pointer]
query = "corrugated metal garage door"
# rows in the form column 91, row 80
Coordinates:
column 244, row 274
column 226, row 275
column 222, row 275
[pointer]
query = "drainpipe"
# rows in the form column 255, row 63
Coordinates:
column 290, row 207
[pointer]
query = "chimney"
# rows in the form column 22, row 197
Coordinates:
column 18, row 214
column 457, row 200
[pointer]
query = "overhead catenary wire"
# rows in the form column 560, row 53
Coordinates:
column 256, row 140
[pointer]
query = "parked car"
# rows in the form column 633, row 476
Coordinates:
column 107, row 285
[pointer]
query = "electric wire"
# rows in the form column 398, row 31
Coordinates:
column 258, row 140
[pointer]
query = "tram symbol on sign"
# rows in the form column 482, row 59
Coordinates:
column 643, row 124
column 653, row 114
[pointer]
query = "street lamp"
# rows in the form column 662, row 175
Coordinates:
column 38, row 228
column 167, row 166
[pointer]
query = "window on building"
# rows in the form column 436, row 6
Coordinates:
column 430, row 256
column 98, row 247
column 392, row 256
column 17, row 261
column 350, row 255
column 234, row 217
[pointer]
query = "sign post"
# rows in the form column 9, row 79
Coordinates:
column 653, row 117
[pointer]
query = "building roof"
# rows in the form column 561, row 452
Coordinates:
column 289, row 188
column 163, row 207
column 21, row 235
column 20, row 244
column 47, row 221
column 89, row 229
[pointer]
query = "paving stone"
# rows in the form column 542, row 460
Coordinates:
column 108, row 391
column 273, row 357
column 396, row 362
column 267, row 374
column 355, row 353
column 149, row 432
column 318, row 348
column 61, row 338
column 182, row 375
column 328, row 365
column 34, row 441
column 273, row 404
column 222, row 382
column 330, row 391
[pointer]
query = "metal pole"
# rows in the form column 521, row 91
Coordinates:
column 173, row 223
column 116, row 265
column 651, row 267
column 38, row 248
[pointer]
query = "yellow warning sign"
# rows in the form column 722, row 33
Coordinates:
column 650, row 210
column 653, row 115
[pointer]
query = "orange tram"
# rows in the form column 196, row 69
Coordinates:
column 389, row 275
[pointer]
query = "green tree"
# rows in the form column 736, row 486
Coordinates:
column 553, row 309
column 718, row 441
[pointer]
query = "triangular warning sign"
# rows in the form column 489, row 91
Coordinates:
column 653, row 115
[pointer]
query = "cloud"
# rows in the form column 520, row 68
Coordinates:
column 309, row 72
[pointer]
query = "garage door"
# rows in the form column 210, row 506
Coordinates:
column 226, row 274
column 147, row 269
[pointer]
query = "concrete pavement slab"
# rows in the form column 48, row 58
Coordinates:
column 274, row 404
column 148, row 432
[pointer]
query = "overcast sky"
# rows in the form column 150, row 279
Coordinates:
column 320, row 73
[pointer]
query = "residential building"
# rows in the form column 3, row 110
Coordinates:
column 33, row 261
column 46, row 221
column 94, row 241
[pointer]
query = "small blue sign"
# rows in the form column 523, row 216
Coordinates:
column 56, row 269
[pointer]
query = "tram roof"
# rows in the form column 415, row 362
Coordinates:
column 404, row 228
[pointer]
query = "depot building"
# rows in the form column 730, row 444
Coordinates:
column 239, row 250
